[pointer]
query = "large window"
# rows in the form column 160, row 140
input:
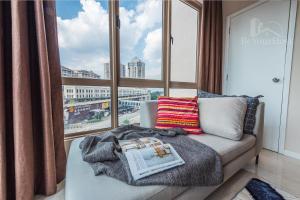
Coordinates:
column 116, row 54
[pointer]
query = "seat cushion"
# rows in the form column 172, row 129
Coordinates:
column 81, row 183
column 226, row 148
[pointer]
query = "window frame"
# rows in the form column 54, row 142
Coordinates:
column 196, row 5
column 116, row 81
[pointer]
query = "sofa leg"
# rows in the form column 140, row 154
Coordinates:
column 257, row 159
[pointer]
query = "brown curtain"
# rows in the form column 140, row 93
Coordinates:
column 32, row 155
column 211, row 45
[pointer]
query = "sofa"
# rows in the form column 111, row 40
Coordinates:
column 81, row 184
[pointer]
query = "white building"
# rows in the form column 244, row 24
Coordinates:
column 106, row 74
column 66, row 72
column 85, row 92
column 94, row 92
column 136, row 68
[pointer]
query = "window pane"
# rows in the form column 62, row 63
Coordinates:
column 129, row 102
column 83, row 37
column 183, row 92
column 86, row 108
column 184, row 46
column 141, row 39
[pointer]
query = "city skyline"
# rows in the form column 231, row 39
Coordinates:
column 134, row 69
column 83, row 43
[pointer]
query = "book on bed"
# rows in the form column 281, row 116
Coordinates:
column 149, row 155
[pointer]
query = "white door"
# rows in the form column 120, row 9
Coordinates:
column 257, row 48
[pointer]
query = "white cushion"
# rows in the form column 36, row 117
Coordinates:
column 223, row 117
column 228, row 149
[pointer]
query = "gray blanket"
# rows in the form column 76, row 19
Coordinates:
column 202, row 166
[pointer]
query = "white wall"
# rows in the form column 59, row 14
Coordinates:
column 292, row 140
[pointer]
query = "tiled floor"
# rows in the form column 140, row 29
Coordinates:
column 281, row 171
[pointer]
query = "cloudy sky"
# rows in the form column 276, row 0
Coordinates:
column 84, row 36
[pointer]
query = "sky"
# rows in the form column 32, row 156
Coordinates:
column 83, row 34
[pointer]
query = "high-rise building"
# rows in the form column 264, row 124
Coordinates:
column 106, row 74
column 107, row 71
column 136, row 68
column 123, row 71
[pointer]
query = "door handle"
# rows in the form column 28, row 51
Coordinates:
column 275, row 80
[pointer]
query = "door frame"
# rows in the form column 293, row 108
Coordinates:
column 287, row 66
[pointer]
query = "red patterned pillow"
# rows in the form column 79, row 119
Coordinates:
column 178, row 113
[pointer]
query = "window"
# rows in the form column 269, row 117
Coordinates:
column 183, row 92
column 140, row 56
column 83, row 38
column 129, row 102
column 83, row 33
column 184, row 45
column 88, row 110
column 116, row 54
column 141, row 39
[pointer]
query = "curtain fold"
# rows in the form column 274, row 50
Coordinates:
column 32, row 155
column 211, row 47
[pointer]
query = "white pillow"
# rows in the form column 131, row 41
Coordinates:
column 223, row 116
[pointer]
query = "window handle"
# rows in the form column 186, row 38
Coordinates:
column 172, row 39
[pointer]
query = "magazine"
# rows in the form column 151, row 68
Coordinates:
column 149, row 155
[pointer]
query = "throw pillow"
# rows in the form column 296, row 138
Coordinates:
column 223, row 117
column 252, row 103
column 178, row 113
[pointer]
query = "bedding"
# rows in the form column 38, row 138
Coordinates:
column 203, row 165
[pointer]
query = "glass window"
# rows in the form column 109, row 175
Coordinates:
column 83, row 38
column 141, row 39
column 84, row 44
column 86, row 108
column 129, row 100
column 183, row 92
column 184, row 33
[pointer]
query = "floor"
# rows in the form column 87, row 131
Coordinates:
column 280, row 171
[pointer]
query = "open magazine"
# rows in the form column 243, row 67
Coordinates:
column 149, row 155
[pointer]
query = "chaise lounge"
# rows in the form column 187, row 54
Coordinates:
column 82, row 184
